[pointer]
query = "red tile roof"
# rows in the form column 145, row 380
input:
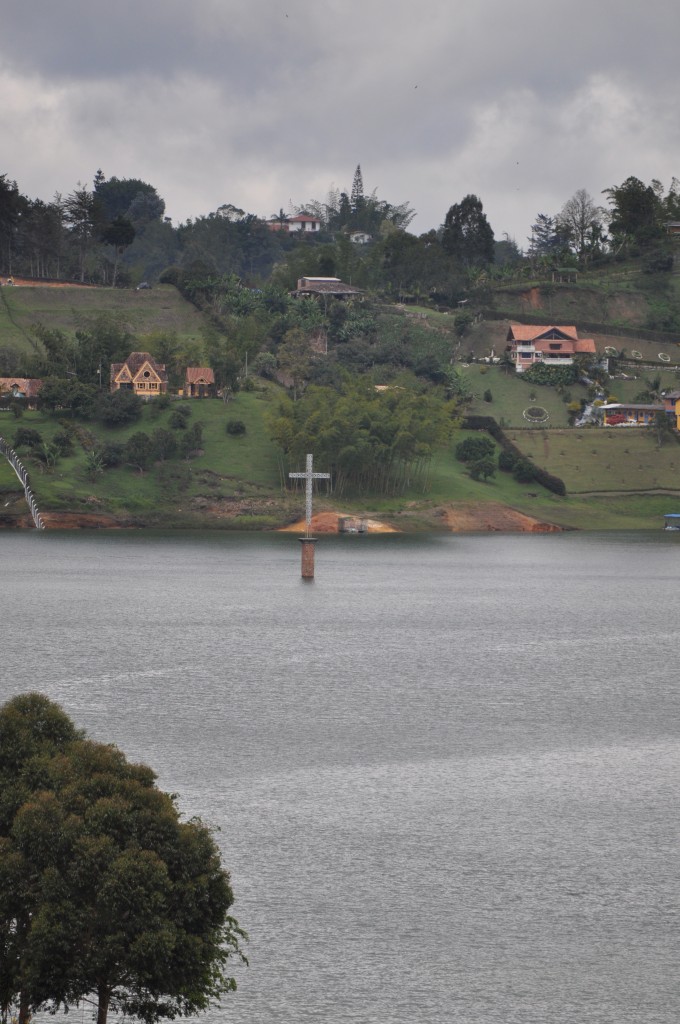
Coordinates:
column 28, row 386
column 199, row 375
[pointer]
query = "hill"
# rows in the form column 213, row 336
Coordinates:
column 614, row 479
column 64, row 307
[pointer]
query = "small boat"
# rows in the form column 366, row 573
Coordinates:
column 671, row 521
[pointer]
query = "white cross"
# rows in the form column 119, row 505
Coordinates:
column 309, row 476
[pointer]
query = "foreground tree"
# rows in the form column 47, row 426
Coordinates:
column 104, row 890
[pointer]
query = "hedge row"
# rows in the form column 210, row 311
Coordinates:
column 489, row 424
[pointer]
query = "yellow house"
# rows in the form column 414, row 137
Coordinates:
column 140, row 373
column 671, row 401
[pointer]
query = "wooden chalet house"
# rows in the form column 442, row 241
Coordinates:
column 140, row 373
column 551, row 345
column 199, row 382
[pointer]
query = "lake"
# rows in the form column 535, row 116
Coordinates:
column 446, row 772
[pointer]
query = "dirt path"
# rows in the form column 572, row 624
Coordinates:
column 473, row 517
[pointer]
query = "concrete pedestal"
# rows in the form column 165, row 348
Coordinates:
column 308, row 557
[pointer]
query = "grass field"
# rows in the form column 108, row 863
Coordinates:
column 159, row 309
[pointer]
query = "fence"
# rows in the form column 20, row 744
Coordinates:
column 20, row 471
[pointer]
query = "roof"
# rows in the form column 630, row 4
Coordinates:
column 531, row 332
column 199, row 375
column 135, row 361
column 305, row 217
column 639, row 406
column 27, row 386
column 325, row 286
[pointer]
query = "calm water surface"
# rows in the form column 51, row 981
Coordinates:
column 446, row 772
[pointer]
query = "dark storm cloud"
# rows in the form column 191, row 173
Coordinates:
column 255, row 103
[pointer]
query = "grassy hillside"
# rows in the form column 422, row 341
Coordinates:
column 614, row 478
column 159, row 309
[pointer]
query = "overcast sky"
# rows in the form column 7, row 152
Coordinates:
column 263, row 102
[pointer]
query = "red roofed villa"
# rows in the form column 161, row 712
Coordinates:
column 553, row 346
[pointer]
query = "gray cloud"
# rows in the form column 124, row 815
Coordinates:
column 257, row 104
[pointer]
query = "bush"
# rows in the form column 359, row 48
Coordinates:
column 119, row 408
column 236, row 428
column 179, row 417
column 483, row 468
column 473, row 449
column 488, row 397
column 112, row 454
column 63, row 442
column 506, row 460
column 27, row 438
column 524, row 471
column 553, row 376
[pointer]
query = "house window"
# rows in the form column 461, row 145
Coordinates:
column 153, row 387
column 141, row 386
column 554, row 348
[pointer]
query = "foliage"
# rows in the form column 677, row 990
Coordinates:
column 467, row 235
column 68, row 395
column 483, row 468
column 26, row 437
column 179, row 417
column 473, row 449
column 523, row 471
column 379, row 442
column 119, row 407
column 104, row 890
column 236, row 428
column 139, row 450
column 553, row 376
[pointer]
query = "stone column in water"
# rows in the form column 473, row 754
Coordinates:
column 307, row 557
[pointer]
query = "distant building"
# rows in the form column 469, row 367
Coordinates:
column 199, row 382
column 27, row 388
column 302, row 222
column 552, row 346
column 140, row 373
column 629, row 414
column 360, row 237
column 326, row 286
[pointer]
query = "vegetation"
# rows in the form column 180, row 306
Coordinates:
column 105, row 892
column 376, row 387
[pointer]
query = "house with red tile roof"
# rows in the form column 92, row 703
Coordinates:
column 550, row 345
column 302, row 223
column 140, row 373
column 27, row 388
column 199, row 382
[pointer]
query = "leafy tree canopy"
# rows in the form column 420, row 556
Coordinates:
column 105, row 891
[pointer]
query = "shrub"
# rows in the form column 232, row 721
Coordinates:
column 506, row 460
column 248, row 384
column 236, row 428
column 553, row 376
column 488, row 397
column 179, row 417
column 482, row 468
column 473, row 449
column 524, row 471
column 63, row 442
column 112, row 454
column 119, row 408
column 27, row 438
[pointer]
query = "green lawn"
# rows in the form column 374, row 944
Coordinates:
column 159, row 309
column 229, row 467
